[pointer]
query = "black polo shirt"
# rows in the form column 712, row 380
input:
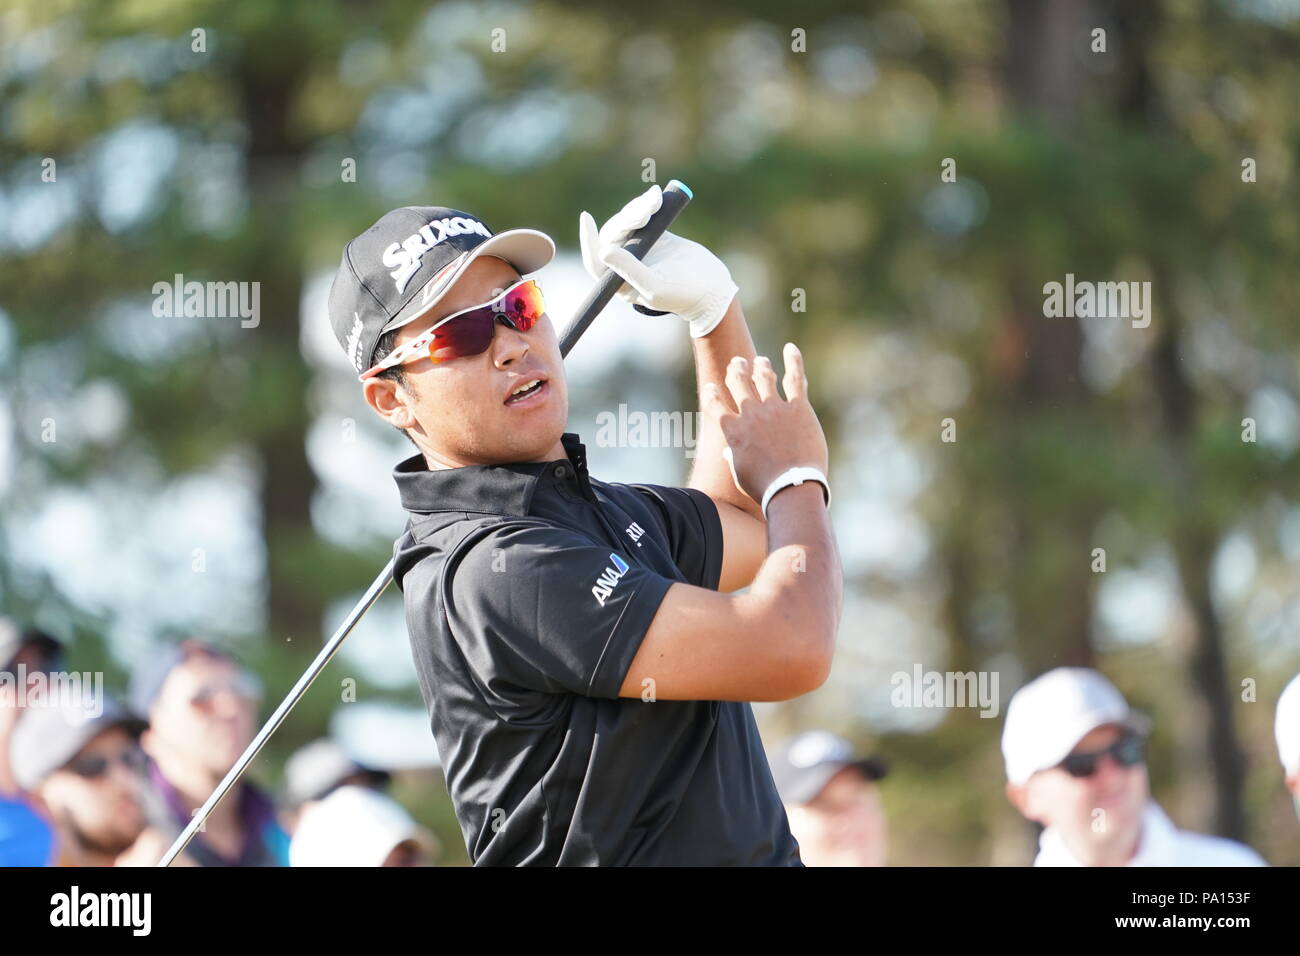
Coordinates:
column 528, row 590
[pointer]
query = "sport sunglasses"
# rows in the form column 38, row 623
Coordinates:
column 470, row 331
column 94, row 766
column 244, row 686
column 1128, row 751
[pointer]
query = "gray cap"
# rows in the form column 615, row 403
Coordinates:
column 808, row 761
column 319, row 767
column 14, row 638
column 47, row 738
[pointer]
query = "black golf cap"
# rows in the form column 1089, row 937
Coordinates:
column 400, row 267
column 806, row 764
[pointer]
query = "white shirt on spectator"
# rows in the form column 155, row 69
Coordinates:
column 1161, row 844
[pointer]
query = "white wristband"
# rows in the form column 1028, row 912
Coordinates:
column 796, row 476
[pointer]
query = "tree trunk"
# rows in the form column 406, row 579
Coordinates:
column 281, row 378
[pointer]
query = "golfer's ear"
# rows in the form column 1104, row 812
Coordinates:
column 389, row 401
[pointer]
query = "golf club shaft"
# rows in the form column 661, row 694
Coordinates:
column 675, row 198
column 326, row 653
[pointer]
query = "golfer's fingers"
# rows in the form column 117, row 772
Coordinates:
column 795, row 381
column 632, row 217
column 764, row 378
column 740, row 382
column 589, row 240
column 634, row 272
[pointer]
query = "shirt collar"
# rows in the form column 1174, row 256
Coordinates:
column 1155, row 844
column 491, row 489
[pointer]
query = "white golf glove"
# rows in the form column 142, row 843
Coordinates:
column 677, row 275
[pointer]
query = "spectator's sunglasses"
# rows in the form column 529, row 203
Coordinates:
column 470, row 331
column 94, row 766
column 243, row 686
column 1128, row 751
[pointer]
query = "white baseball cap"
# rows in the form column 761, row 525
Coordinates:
column 1287, row 727
column 1048, row 716
column 353, row 826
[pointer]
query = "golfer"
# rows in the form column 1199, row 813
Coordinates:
column 580, row 646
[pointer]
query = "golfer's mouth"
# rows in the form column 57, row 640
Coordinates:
column 528, row 391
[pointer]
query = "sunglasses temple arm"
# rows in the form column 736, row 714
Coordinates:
column 322, row 659
column 675, row 198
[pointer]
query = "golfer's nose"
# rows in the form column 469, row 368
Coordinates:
column 508, row 345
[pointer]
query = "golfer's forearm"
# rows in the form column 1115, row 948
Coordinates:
column 711, row 473
column 798, row 591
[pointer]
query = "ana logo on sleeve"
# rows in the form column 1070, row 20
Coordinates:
column 609, row 579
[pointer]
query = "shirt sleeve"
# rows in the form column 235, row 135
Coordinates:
column 689, row 520
column 549, row 609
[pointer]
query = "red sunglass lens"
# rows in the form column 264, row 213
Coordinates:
column 467, row 334
column 523, row 306
column 471, row 333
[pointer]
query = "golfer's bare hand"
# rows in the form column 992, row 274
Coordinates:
column 767, row 433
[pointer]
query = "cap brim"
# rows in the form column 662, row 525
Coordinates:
column 526, row 250
column 814, row 779
column 872, row 768
column 57, row 759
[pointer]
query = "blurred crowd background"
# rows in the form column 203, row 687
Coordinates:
column 174, row 477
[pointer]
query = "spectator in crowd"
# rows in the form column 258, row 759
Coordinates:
column 1287, row 730
column 25, row 838
column 317, row 769
column 358, row 826
column 200, row 704
column 1076, row 764
column 83, row 767
column 314, row 770
column 832, row 801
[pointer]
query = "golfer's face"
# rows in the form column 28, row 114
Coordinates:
column 463, row 406
column 1105, row 808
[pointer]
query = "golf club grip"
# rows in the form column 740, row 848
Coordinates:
column 675, row 197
